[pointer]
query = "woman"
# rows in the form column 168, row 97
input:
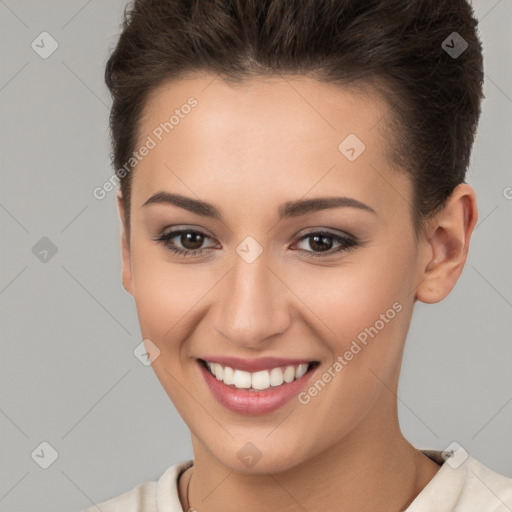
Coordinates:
column 291, row 183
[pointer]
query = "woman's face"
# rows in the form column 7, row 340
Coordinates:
column 253, row 284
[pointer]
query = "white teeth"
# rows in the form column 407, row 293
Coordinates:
column 301, row 370
column 218, row 371
column 260, row 380
column 229, row 375
column 276, row 377
column 289, row 374
column 242, row 379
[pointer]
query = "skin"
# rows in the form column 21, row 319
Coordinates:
column 248, row 149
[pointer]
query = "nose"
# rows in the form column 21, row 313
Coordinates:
column 252, row 308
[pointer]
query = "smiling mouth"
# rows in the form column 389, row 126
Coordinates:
column 260, row 380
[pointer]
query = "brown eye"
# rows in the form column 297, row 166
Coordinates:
column 188, row 242
column 321, row 244
column 191, row 240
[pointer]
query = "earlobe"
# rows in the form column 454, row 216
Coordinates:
column 125, row 249
column 447, row 243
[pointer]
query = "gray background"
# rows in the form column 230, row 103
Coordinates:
column 68, row 373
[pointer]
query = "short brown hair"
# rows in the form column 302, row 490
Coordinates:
column 396, row 46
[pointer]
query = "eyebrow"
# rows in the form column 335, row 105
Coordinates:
column 286, row 210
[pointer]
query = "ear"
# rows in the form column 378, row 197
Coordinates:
column 445, row 245
column 125, row 248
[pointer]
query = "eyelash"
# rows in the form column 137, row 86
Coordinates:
column 346, row 243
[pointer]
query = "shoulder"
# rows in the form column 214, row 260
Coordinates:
column 148, row 496
column 463, row 483
column 140, row 497
column 485, row 487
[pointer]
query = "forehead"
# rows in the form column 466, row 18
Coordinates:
column 256, row 110
column 284, row 134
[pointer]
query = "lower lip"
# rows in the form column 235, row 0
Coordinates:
column 243, row 401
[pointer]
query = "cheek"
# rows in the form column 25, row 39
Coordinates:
column 352, row 297
column 365, row 307
column 166, row 295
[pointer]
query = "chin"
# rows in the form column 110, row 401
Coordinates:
column 258, row 454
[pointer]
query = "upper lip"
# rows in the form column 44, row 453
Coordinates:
column 254, row 365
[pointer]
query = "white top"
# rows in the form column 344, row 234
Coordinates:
column 459, row 487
